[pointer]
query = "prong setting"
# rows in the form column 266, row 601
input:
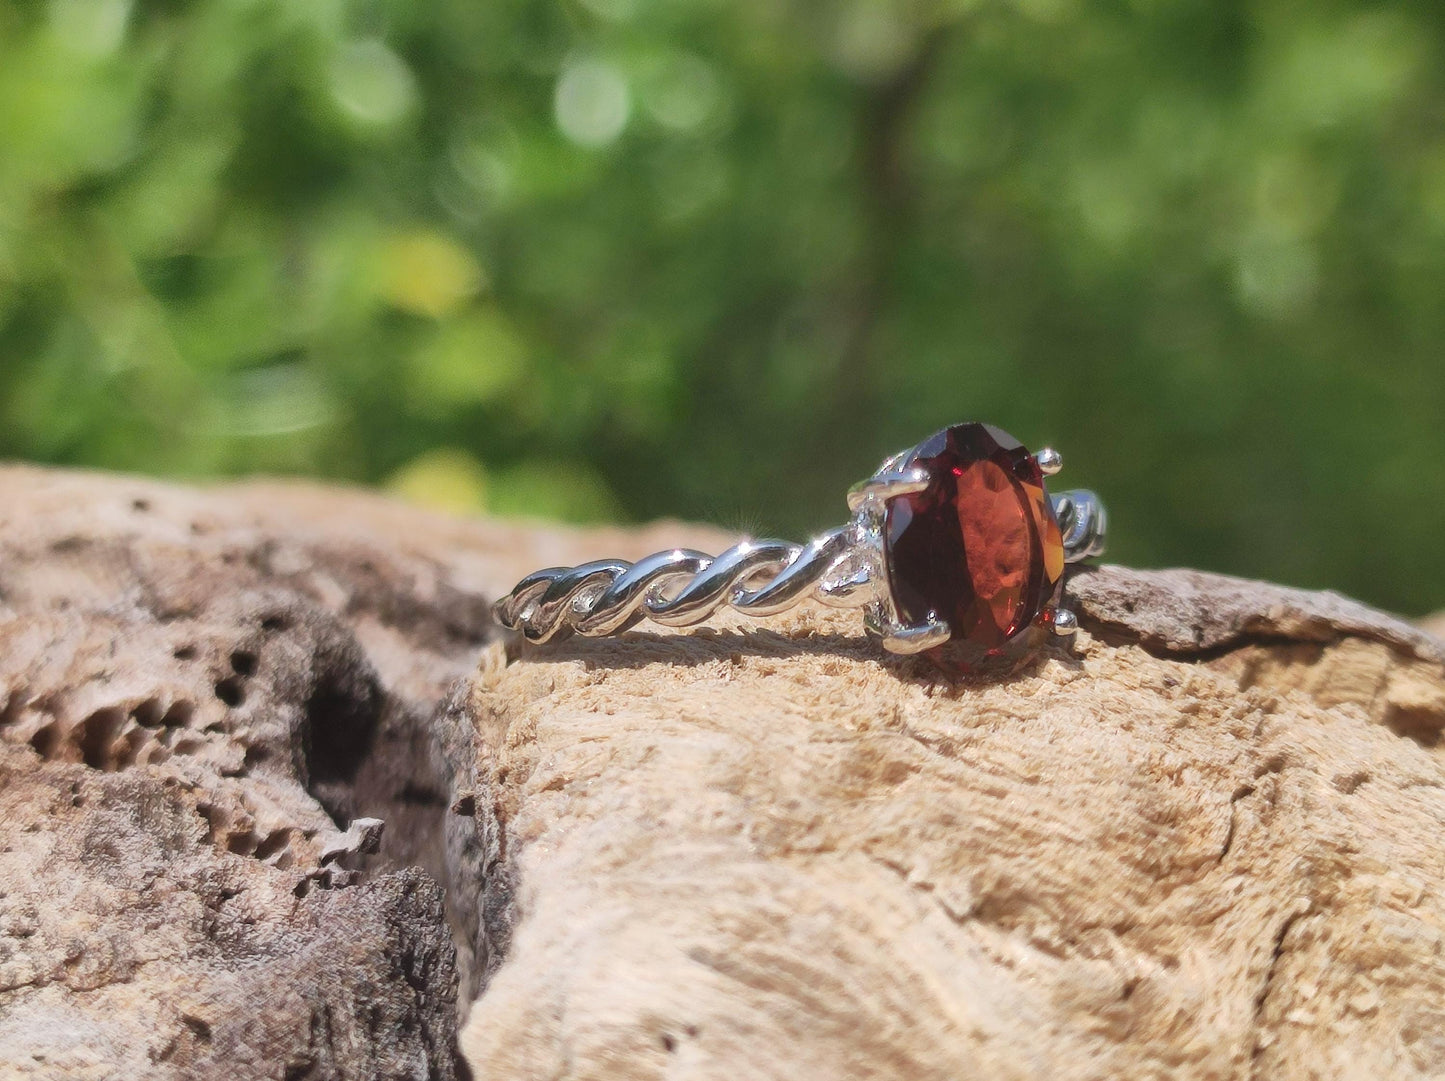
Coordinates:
column 1061, row 621
column 1051, row 462
column 886, row 485
column 907, row 640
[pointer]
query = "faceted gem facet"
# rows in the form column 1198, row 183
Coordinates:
column 980, row 547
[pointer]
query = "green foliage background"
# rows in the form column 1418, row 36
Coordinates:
column 628, row 258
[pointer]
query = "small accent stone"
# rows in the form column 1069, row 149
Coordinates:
column 980, row 546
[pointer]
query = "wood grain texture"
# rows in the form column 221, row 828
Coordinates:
column 222, row 796
column 1202, row 844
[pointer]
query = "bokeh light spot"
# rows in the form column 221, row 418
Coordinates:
column 873, row 40
column 592, row 102
column 427, row 273
column 91, row 27
column 447, row 479
column 685, row 94
column 372, row 84
column 1347, row 71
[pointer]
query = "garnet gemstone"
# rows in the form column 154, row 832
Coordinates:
column 980, row 546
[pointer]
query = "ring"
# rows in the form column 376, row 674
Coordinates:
column 953, row 543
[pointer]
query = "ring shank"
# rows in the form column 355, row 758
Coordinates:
column 680, row 588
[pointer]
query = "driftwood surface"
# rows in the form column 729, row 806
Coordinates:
column 277, row 801
column 221, row 801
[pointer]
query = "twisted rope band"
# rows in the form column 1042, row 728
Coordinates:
column 682, row 587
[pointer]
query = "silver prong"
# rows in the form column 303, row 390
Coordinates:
column 1050, row 461
column 1062, row 622
column 909, row 640
column 906, row 640
column 887, row 485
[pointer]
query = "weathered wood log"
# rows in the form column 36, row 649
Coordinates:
column 197, row 691
column 1203, row 843
column 209, row 701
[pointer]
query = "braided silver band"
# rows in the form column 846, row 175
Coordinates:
column 843, row 568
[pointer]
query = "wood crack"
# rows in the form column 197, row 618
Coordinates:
column 1267, row 988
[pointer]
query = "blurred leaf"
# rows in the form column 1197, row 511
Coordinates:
column 427, row 273
column 448, row 479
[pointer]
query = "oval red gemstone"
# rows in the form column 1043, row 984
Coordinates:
column 980, row 547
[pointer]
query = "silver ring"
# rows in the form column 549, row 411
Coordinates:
column 954, row 542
